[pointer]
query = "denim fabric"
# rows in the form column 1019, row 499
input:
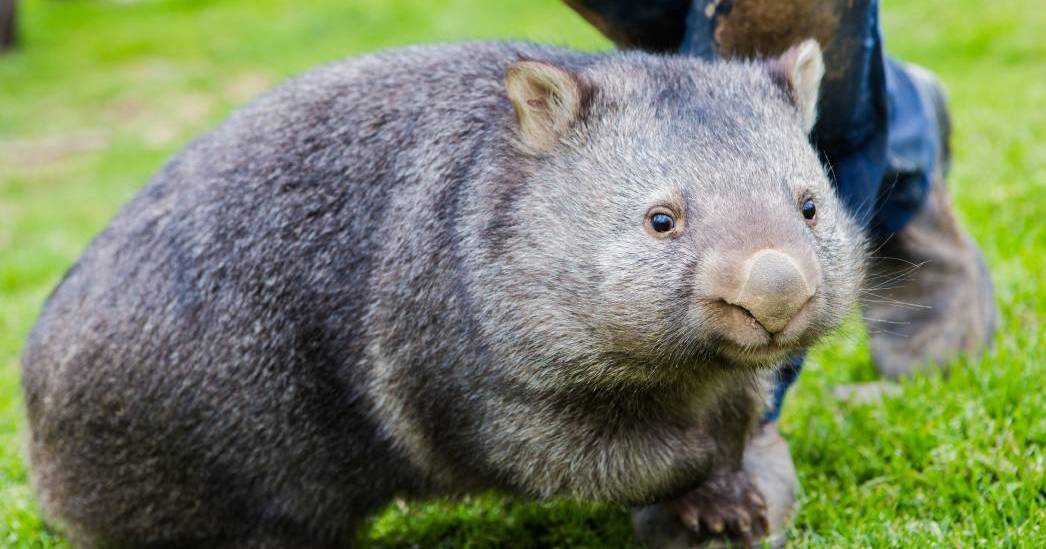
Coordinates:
column 786, row 376
column 913, row 148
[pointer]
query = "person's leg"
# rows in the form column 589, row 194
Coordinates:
column 652, row 25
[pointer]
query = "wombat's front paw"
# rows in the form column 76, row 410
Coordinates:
column 727, row 508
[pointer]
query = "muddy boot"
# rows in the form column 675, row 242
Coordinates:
column 929, row 296
column 748, row 508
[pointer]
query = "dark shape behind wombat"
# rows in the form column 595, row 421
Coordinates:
column 437, row 270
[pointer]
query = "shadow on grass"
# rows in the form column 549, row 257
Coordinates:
column 493, row 521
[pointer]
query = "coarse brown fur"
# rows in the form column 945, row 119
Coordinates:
column 367, row 284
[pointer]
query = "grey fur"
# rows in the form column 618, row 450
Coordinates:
column 360, row 286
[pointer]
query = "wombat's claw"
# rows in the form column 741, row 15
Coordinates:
column 727, row 508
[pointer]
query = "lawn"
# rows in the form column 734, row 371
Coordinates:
column 103, row 92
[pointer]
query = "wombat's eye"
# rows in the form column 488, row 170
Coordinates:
column 662, row 222
column 809, row 209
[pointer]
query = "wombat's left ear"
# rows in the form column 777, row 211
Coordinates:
column 799, row 70
column 548, row 101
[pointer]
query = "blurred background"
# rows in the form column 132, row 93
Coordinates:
column 96, row 94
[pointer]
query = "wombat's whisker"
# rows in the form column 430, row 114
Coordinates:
column 895, row 277
column 896, row 302
column 883, row 287
column 902, row 260
column 869, row 319
column 887, row 332
column 881, row 245
column 907, row 271
column 898, row 276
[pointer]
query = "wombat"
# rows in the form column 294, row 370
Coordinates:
column 438, row 270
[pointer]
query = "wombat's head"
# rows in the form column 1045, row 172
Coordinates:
column 674, row 214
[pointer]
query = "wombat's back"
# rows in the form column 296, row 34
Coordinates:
column 208, row 345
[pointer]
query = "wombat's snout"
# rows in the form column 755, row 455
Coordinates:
column 773, row 289
column 761, row 296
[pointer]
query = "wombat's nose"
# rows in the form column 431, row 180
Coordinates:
column 774, row 289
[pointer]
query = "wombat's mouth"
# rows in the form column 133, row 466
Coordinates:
column 767, row 355
column 743, row 340
column 742, row 330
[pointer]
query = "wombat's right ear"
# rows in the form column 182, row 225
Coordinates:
column 548, row 100
column 799, row 70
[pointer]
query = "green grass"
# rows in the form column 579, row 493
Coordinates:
column 102, row 92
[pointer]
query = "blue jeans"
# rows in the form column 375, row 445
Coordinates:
column 877, row 133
